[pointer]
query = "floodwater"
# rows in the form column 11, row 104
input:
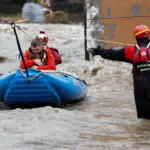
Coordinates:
column 106, row 120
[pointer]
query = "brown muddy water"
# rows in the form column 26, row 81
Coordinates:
column 106, row 120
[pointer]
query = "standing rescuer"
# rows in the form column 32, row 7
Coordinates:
column 139, row 56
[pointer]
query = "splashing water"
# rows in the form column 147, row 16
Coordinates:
column 106, row 120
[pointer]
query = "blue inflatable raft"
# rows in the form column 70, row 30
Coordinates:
column 41, row 88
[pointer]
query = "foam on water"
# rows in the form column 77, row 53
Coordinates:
column 106, row 120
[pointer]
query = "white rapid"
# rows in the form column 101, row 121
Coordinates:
column 105, row 120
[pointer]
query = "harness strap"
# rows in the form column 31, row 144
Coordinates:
column 138, row 48
column 148, row 45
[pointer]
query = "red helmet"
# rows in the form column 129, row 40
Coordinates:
column 141, row 31
column 43, row 37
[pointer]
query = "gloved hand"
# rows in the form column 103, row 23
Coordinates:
column 95, row 51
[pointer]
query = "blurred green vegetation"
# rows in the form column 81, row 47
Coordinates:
column 74, row 8
column 65, row 11
column 58, row 17
column 35, row 1
column 12, row 9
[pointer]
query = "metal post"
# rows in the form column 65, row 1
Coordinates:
column 87, row 56
column 19, row 48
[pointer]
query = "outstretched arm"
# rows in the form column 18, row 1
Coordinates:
column 111, row 54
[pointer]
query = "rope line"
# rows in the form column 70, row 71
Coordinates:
column 113, row 42
column 109, row 18
column 107, row 41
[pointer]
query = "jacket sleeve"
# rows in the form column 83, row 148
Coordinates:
column 50, row 65
column 112, row 54
column 129, row 52
column 57, row 57
column 29, row 62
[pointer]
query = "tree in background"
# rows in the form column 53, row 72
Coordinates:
column 56, row 11
column 10, row 7
column 73, row 8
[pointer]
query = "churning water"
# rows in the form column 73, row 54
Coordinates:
column 105, row 120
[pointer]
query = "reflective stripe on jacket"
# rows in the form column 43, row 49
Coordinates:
column 140, row 58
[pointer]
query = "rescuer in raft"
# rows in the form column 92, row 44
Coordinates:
column 43, row 37
column 36, row 57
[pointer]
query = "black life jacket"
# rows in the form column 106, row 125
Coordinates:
column 141, row 59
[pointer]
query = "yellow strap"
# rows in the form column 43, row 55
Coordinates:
column 146, row 30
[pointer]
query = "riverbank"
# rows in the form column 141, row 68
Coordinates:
column 15, row 19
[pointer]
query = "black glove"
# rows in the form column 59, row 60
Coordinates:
column 95, row 51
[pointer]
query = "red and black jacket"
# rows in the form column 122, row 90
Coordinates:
column 139, row 57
